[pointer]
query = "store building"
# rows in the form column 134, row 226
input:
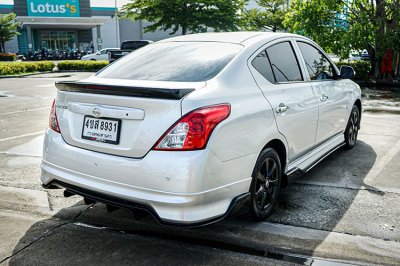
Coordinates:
column 74, row 24
column 71, row 24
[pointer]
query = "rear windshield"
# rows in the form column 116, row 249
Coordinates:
column 173, row 61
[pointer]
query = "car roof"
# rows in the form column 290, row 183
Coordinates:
column 238, row 37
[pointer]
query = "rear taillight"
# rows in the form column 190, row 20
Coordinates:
column 193, row 130
column 53, row 122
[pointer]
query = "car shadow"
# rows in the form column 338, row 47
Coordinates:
column 91, row 235
column 321, row 197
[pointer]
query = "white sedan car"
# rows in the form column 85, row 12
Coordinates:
column 190, row 128
column 99, row 56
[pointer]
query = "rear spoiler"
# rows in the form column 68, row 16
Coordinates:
column 131, row 91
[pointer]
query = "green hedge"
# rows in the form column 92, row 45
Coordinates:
column 362, row 68
column 82, row 65
column 7, row 57
column 14, row 68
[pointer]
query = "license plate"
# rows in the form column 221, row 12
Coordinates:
column 101, row 129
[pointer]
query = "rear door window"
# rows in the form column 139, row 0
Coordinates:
column 318, row 65
column 262, row 64
column 284, row 64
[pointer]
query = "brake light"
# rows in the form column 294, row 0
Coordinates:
column 53, row 122
column 193, row 130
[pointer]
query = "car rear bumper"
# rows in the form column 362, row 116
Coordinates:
column 235, row 205
column 175, row 187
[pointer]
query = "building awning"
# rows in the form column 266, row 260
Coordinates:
column 61, row 23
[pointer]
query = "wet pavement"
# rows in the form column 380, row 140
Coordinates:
column 378, row 99
column 345, row 210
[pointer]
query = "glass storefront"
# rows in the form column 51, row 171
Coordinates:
column 58, row 40
column 62, row 25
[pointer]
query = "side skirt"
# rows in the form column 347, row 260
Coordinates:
column 308, row 161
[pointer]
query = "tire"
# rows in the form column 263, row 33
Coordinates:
column 264, row 188
column 353, row 125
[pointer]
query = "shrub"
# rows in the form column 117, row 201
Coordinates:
column 13, row 68
column 362, row 68
column 44, row 66
column 7, row 57
column 82, row 65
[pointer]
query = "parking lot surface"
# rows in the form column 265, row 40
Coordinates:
column 345, row 210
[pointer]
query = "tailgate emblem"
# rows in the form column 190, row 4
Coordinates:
column 96, row 112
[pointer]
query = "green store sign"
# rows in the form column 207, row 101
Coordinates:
column 53, row 8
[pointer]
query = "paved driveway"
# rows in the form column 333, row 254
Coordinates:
column 345, row 209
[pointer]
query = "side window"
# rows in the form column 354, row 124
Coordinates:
column 318, row 66
column 262, row 64
column 103, row 51
column 284, row 63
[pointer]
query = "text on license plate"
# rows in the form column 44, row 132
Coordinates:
column 101, row 129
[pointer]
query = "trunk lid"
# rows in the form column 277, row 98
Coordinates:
column 138, row 111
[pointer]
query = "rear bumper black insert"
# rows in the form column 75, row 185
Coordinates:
column 131, row 91
column 234, row 207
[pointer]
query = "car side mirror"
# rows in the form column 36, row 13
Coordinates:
column 347, row 72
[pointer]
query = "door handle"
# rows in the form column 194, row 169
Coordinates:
column 282, row 108
column 323, row 98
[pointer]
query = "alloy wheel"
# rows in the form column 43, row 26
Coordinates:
column 266, row 188
column 353, row 127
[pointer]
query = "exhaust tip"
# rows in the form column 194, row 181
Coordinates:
column 68, row 193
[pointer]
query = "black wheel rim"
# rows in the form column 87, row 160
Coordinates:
column 266, row 187
column 353, row 128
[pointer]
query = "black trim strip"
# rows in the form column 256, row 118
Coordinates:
column 234, row 207
column 157, row 93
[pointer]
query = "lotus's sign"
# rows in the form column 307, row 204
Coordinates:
column 53, row 8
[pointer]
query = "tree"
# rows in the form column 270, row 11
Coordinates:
column 342, row 25
column 189, row 15
column 317, row 20
column 269, row 16
column 8, row 29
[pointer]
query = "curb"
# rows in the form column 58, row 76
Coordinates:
column 63, row 71
column 25, row 75
column 378, row 84
column 381, row 110
column 45, row 72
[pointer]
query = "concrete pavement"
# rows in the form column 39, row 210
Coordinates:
column 346, row 210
